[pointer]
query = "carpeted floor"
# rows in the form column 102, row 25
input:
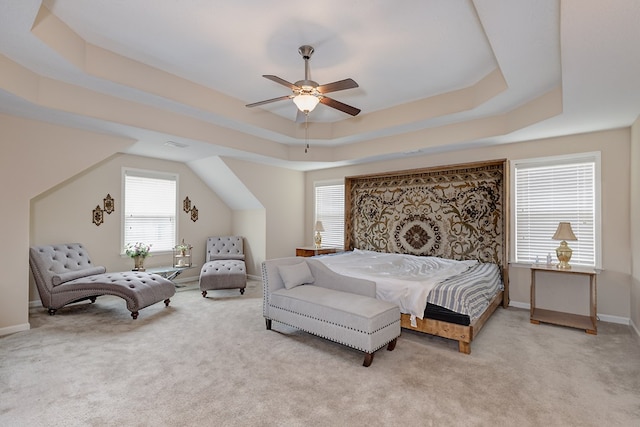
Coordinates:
column 211, row 362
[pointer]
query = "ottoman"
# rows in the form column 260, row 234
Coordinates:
column 223, row 274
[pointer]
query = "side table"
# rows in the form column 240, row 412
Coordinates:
column 169, row 272
column 307, row 251
column 588, row 323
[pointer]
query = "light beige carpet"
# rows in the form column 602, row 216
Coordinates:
column 211, row 362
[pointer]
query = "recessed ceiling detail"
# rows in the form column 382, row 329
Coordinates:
column 433, row 75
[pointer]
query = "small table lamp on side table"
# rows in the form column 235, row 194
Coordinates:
column 564, row 252
column 317, row 239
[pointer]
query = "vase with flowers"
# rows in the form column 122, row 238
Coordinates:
column 138, row 251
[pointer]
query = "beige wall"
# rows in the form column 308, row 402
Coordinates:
column 280, row 192
column 634, row 198
column 35, row 157
column 55, row 176
column 63, row 214
column 613, row 283
column 252, row 225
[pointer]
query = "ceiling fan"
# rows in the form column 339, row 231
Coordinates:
column 307, row 93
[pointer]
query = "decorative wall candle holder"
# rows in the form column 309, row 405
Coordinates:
column 98, row 216
column 191, row 210
column 108, row 206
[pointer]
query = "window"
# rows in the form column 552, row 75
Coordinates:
column 150, row 209
column 330, row 210
column 549, row 190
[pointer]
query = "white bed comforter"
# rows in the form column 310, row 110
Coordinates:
column 405, row 280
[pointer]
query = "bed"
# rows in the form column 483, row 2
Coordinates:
column 457, row 213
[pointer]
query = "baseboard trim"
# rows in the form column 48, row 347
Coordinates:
column 13, row 329
column 634, row 327
column 614, row 319
column 517, row 304
column 602, row 317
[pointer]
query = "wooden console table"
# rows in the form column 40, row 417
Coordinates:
column 307, row 251
column 588, row 323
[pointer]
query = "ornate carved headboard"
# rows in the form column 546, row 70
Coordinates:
column 455, row 212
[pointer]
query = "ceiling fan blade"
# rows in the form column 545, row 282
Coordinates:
column 339, row 106
column 336, row 86
column 268, row 101
column 281, row 81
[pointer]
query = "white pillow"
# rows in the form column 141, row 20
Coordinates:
column 295, row 275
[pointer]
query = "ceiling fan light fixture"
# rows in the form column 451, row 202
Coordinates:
column 305, row 102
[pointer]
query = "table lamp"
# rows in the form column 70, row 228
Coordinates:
column 318, row 237
column 564, row 252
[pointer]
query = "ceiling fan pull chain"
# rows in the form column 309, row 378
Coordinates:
column 306, row 131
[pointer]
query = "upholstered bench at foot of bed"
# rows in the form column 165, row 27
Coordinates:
column 138, row 289
column 364, row 323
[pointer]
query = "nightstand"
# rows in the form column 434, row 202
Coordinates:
column 588, row 323
column 307, row 251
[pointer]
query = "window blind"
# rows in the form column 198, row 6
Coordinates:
column 553, row 191
column 150, row 209
column 330, row 210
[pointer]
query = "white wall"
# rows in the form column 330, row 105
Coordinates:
column 614, row 282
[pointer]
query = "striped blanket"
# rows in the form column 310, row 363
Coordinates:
column 470, row 292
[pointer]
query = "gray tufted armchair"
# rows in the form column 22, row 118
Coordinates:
column 65, row 274
column 224, row 267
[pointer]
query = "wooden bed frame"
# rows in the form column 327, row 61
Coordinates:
column 380, row 208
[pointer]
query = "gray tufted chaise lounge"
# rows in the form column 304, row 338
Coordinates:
column 64, row 274
column 225, row 267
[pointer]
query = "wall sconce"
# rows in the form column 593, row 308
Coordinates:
column 98, row 216
column 108, row 206
column 191, row 210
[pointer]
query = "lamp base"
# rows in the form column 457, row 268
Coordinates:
column 564, row 252
column 317, row 239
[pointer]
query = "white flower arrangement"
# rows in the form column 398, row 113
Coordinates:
column 137, row 249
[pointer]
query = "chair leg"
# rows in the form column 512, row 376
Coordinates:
column 92, row 299
column 52, row 311
column 204, row 294
column 268, row 321
column 241, row 291
column 392, row 344
column 166, row 302
column 134, row 314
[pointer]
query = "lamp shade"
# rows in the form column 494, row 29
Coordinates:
column 306, row 102
column 564, row 232
column 319, row 226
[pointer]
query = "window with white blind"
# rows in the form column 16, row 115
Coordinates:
column 549, row 190
column 149, row 209
column 329, row 199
